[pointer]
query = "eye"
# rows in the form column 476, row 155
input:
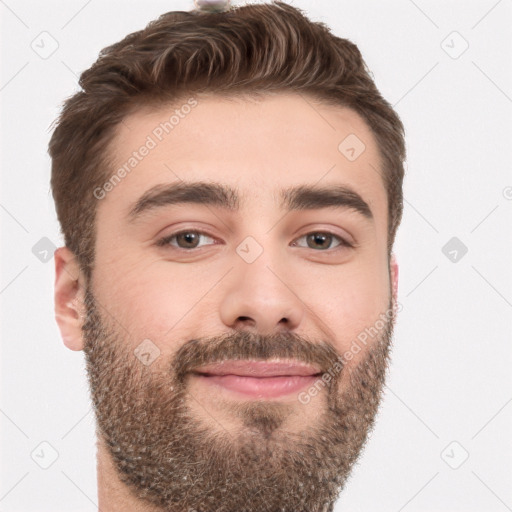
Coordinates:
column 184, row 239
column 322, row 240
column 190, row 239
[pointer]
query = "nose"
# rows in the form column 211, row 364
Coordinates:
column 260, row 297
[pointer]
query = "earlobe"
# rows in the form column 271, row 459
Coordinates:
column 69, row 295
column 393, row 268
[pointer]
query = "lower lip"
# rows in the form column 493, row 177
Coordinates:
column 260, row 387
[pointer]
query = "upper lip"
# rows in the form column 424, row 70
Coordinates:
column 249, row 368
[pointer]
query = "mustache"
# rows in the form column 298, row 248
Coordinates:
column 249, row 345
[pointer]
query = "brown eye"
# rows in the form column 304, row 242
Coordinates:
column 322, row 241
column 187, row 240
column 319, row 241
column 184, row 240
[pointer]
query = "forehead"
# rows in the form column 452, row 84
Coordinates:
column 257, row 146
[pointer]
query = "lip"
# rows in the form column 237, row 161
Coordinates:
column 258, row 379
column 267, row 368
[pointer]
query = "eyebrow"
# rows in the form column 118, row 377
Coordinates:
column 302, row 197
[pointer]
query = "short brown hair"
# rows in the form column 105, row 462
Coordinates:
column 249, row 49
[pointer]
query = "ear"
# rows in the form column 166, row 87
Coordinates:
column 69, row 295
column 393, row 269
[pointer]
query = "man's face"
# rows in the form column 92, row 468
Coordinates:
column 264, row 274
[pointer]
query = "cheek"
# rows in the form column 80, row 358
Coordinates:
column 349, row 302
column 155, row 301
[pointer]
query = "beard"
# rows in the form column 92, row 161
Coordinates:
column 170, row 459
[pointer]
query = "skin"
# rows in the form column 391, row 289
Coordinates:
column 140, row 291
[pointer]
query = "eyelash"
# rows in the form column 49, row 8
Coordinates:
column 165, row 241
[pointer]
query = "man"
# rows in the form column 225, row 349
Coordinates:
column 229, row 186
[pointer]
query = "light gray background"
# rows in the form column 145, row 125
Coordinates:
column 449, row 394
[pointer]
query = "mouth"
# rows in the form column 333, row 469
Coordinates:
column 258, row 379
